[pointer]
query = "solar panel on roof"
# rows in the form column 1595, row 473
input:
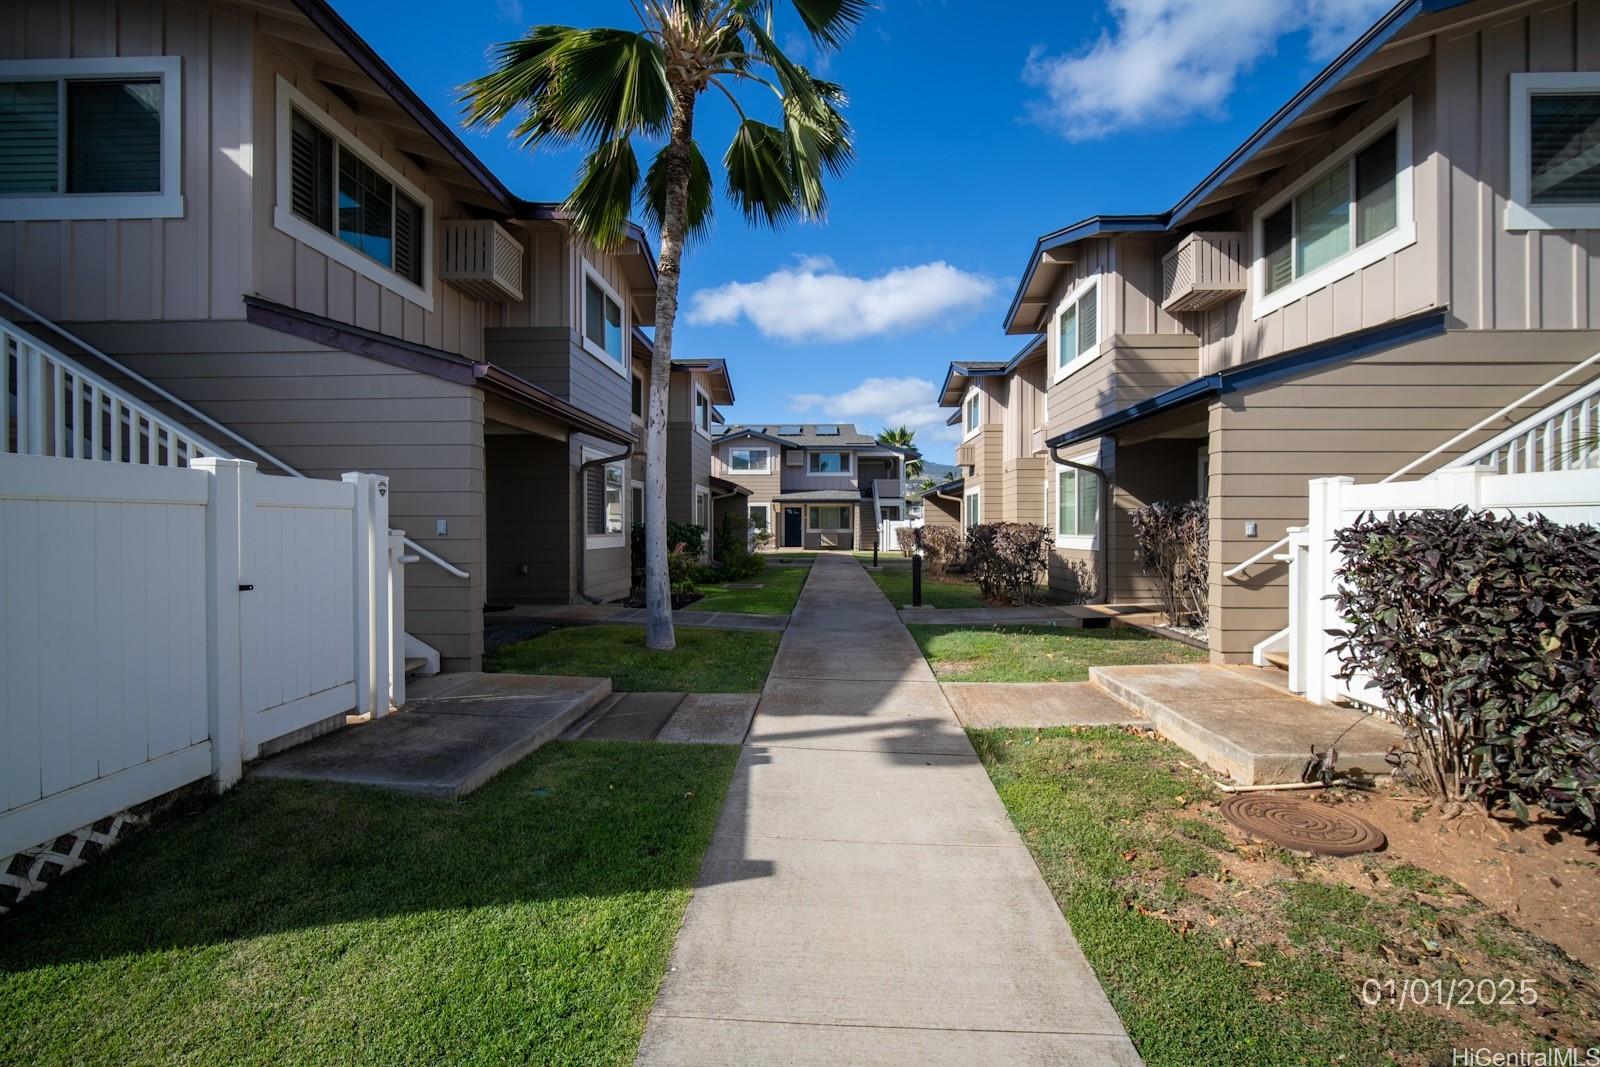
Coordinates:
column 827, row 431
column 789, row 429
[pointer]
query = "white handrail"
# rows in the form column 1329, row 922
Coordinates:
column 1257, row 558
column 187, row 408
column 66, row 411
column 1502, row 413
column 1546, row 420
column 443, row 564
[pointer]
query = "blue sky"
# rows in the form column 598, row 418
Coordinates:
column 975, row 133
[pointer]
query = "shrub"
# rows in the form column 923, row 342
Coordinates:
column 1172, row 541
column 681, row 569
column 939, row 547
column 735, row 560
column 687, row 534
column 687, row 537
column 1483, row 635
column 1007, row 558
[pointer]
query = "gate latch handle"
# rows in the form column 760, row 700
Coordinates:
column 246, row 588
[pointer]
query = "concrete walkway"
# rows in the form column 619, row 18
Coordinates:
column 865, row 898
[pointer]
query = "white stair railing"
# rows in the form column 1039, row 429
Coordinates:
column 1561, row 437
column 55, row 406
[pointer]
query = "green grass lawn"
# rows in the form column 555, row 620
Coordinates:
column 1218, row 951
column 943, row 593
column 780, row 588
column 1039, row 653
column 305, row 923
column 705, row 661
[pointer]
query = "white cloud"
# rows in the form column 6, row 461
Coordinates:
column 880, row 402
column 510, row 10
column 815, row 301
column 1167, row 60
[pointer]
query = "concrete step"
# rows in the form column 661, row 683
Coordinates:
column 1279, row 660
column 414, row 664
column 1248, row 730
column 581, row 725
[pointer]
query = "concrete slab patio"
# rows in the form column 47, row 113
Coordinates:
column 1254, row 732
column 865, row 898
column 455, row 733
column 985, row 705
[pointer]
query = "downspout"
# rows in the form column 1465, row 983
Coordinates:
column 1102, row 520
column 582, row 510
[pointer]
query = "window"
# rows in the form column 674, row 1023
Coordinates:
column 702, row 510
column 891, row 512
column 828, row 462
column 603, row 517
column 972, row 417
column 1341, row 217
column 702, row 413
column 972, row 514
column 602, row 320
column 637, row 499
column 1078, row 329
column 830, row 518
column 90, row 138
column 1555, row 152
column 760, row 516
column 1077, row 506
column 750, row 460
column 638, row 398
column 340, row 197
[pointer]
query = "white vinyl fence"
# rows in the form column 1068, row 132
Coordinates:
column 893, row 531
column 1566, row 496
column 159, row 625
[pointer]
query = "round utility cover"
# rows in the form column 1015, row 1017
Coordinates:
column 1302, row 825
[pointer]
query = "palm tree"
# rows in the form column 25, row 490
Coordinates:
column 602, row 88
column 902, row 437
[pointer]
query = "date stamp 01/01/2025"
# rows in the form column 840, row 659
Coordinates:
column 1469, row 992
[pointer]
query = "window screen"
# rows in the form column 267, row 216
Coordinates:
column 29, row 132
column 310, row 172
column 114, row 136
column 1565, row 148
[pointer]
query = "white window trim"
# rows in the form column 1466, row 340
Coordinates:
column 850, row 528
column 849, row 463
column 1521, row 213
column 694, row 413
column 1402, row 236
column 765, row 468
column 168, row 203
column 624, row 366
column 286, row 221
column 597, row 541
column 1080, row 542
column 1077, row 362
column 966, row 499
column 767, row 504
column 705, row 494
column 973, row 393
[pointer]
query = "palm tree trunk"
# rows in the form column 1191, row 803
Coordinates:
column 658, row 633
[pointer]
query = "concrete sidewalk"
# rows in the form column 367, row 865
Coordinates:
column 865, row 897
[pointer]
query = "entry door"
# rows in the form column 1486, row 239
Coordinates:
column 792, row 530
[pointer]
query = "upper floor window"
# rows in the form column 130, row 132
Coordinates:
column 972, row 416
column 602, row 320
column 750, row 460
column 828, row 462
column 638, row 398
column 1077, row 329
column 1342, row 216
column 341, row 198
column 1555, row 152
column 702, row 413
column 90, row 138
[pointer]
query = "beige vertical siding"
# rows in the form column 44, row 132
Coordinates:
column 194, row 267
column 326, row 412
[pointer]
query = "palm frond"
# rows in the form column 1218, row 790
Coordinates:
column 653, row 197
column 573, row 85
column 830, row 22
column 600, row 200
column 759, row 179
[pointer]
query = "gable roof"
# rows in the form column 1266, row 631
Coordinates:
column 962, row 372
column 714, row 369
column 805, row 435
column 1313, row 110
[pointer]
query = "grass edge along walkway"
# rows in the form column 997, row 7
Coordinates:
column 307, row 923
column 1024, row 653
column 704, row 661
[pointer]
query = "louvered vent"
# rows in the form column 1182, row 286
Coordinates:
column 482, row 260
column 311, row 173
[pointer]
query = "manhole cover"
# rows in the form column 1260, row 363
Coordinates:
column 1302, row 825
